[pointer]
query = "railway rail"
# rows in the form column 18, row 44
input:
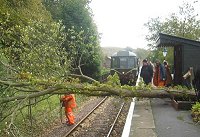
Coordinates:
column 112, row 127
column 78, row 124
column 106, row 118
column 100, row 121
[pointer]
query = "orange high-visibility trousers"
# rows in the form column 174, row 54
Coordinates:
column 69, row 103
column 69, row 115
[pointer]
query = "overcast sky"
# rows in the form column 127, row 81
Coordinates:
column 121, row 22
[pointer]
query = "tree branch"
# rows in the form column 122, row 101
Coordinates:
column 33, row 95
column 81, row 73
column 83, row 76
column 34, row 103
column 9, row 83
column 8, row 66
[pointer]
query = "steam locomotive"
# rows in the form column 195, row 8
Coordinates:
column 126, row 65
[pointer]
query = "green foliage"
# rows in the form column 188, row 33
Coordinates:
column 196, row 107
column 3, row 69
column 36, row 49
column 44, row 114
column 196, row 112
column 158, row 54
column 142, row 86
column 82, row 42
column 113, row 80
column 41, row 52
column 105, row 71
column 180, row 87
column 185, row 24
column 24, row 10
column 75, row 13
column 30, row 46
column 87, row 53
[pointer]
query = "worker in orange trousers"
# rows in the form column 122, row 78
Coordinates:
column 69, row 104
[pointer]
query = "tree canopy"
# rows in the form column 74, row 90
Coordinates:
column 35, row 46
column 82, row 39
column 184, row 24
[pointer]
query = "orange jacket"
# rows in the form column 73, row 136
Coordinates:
column 69, row 101
column 157, row 77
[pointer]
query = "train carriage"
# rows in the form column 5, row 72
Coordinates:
column 125, row 64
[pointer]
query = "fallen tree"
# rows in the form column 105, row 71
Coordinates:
column 95, row 89
column 24, row 93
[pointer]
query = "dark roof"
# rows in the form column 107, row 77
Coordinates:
column 165, row 40
column 123, row 53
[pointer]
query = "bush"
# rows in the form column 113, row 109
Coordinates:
column 196, row 112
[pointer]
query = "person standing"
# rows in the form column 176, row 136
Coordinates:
column 69, row 104
column 188, row 77
column 159, row 75
column 146, row 72
column 168, row 80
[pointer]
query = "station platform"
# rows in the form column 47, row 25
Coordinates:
column 157, row 118
column 142, row 121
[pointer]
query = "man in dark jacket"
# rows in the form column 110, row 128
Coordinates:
column 146, row 72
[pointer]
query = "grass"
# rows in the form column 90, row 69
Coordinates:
column 43, row 115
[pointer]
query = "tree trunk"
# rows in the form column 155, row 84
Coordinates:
column 95, row 90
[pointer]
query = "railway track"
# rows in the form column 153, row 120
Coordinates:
column 101, row 121
column 105, row 118
column 78, row 124
column 112, row 127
